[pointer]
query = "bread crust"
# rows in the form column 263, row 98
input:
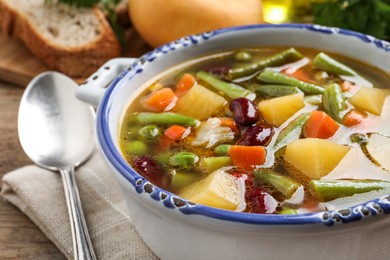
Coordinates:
column 80, row 61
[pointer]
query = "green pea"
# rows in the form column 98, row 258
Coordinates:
column 243, row 56
column 150, row 133
column 136, row 148
column 184, row 160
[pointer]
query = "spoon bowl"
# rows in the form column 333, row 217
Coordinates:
column 56, row 132
column 55, row 128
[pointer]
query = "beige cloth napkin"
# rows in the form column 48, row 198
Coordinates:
column 39, row 194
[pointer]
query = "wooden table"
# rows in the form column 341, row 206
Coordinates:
column 19, row 237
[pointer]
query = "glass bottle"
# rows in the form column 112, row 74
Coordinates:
column 286, row 11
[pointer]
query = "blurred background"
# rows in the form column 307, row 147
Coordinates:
column 159, row 22
column 141, row 25
column 366, row 16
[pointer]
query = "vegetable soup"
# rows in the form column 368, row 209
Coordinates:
column 265, row 130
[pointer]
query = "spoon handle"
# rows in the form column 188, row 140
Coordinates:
column 82, row 246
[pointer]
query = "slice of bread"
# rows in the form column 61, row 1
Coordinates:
column 75, row 41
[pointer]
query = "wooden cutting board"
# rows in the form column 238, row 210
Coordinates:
column 19, row 66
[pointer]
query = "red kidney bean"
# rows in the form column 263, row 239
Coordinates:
column 257, row 135
column 260, row 201
column 150, row 169
column 248, row 178
column 245, row 111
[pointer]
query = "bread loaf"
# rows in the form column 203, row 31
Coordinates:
column 75, row 41
column 162, row 21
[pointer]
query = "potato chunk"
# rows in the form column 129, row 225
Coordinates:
column 219, row 189
column 370, row 99
column 277, row 110
column 314, row 157
column 200, row 103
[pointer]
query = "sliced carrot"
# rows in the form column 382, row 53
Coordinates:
column 347, row 86
column 353, row 117
column 247, row 156
column 299, row 74
column 227, row 121
column 185, row 83
column 160, row 100
column 320, row 125
column 175, row 132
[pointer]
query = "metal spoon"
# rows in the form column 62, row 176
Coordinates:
column 56, row 132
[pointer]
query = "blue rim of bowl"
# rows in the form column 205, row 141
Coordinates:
column 378, row 206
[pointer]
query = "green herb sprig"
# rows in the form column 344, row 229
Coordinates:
column 109, row 7
column 367, row 16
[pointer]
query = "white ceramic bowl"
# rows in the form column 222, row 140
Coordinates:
column 176, row 229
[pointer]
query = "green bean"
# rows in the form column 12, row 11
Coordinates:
column 243, row 56
column 334, row 102
column 184, row 160
column 283, row 184
column 136, row 148
column 274, row 90
column 222, row 149
column 230, row 89
column 281, row 58
column 314, row 100
column 328, row 64
column 321, row 75
column 214, row 163
column 279, row 78
column 291, row 132
column 328, row 190
column 150, row 133
column 164, row 119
